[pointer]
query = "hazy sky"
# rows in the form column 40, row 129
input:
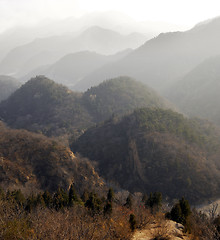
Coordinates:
column 180, row 12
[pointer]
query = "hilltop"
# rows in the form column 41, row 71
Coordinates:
column 121, row 95
column 41, row 105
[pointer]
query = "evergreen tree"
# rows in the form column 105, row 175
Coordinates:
column 108, row 208
column 132, row 222
column 93, row 203
column 60, row 199
column 110, row 195
column 40, row 200
column 18, row 197
column 85, row 196
column 2, row 194
column 30, row 203
column 47, row 198
column 181, row 212
column 154, row 201
column 176, row 213
column 129, row 201
column 72, row 196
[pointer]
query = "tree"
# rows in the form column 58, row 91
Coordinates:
column 47, row 198
column 181, row 211
column 129, row 201
column 60, row 199
column 108, row 208
column 72, row 196
column 93, row 203
column 110, row 195
column 132, row 222
column 154, row 201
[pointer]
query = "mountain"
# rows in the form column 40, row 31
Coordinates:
column 73, row 67
column 34, row 162
column 197, row 93
column 119, row 96
column 8, row 85
column 161, row 61
column 42, row 51
column 156, row 150
column 115, row 21
column 41, row 105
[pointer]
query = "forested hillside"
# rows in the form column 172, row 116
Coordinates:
column 156, row 150
column 43, row 106
column 33, row 162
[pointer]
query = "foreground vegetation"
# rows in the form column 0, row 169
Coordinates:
column 66, row 215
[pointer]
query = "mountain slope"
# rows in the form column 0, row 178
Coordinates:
column 197, row 94
column 43, row 51
column 34, row 162
column 121, row 95
column 163, row 60
column 43, row 106
column 155, row 150
column 8, row 85
column 73, row 67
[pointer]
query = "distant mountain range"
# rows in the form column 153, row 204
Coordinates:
column 23, row 59
column 8, row 85
column 163, row 60
column 115, row 21
column 197, row 93
column 73, row 67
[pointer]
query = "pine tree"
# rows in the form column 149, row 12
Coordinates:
column 72, row 196
column 129, row 201
column 110, row 195
column 132, row 222
column 108, row 208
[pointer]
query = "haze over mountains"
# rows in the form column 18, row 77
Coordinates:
column 106, row 123
column 8, row 85
column 73, row 67
column 119, row 120
column 26, row 58
column 115, row 21
column 197, row 93
column 163, row 60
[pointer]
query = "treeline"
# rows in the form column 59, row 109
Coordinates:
column 66, row 215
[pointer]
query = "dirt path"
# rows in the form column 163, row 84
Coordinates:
column 164, row 229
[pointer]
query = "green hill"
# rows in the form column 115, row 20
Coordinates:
column 34, row 162
column 121, row 95
column 43, row 106
column 156, row 150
